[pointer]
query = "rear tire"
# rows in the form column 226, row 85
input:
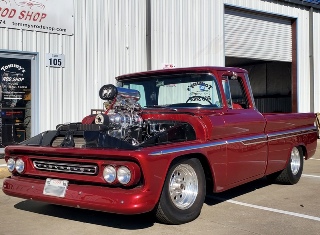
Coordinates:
column 293, row 171
column 183, row 193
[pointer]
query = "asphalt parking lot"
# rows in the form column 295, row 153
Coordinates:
column 254, row 208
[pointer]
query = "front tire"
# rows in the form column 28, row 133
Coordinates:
column 293, row 171
column 183, row 193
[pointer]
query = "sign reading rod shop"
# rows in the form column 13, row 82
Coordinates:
column 51, row 16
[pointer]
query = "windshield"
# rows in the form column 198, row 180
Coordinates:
column 182, row 90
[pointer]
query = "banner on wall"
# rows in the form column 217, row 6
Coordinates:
column 51, row 16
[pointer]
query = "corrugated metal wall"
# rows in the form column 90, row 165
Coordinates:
column 300, row 13
column 316, row 49
column 110, row 39
column 187, row 33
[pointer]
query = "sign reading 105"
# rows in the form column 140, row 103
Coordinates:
column 55, row 60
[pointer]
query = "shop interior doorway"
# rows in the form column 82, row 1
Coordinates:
column 270, row 81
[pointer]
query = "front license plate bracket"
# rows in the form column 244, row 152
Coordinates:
column 55, row 187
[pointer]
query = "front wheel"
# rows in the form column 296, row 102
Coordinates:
column 293, row 171
column 183, row 193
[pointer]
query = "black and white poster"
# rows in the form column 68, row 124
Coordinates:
column 15, row 100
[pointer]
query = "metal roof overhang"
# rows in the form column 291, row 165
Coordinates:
column 308, row 3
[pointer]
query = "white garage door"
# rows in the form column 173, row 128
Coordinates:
column 257, row 36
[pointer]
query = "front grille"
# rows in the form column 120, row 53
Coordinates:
column 66, row 167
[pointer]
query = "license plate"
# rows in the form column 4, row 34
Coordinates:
column 55, row 187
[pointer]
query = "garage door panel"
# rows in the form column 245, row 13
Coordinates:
column 249, row 35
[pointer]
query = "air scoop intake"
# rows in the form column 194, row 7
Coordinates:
column 110, row 92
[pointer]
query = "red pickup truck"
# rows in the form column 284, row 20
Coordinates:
column 165, row 139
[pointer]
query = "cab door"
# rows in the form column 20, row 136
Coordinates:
column 244, row 125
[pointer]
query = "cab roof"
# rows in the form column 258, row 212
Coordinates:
column 178, row 71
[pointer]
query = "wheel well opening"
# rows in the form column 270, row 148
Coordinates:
column 303, row 150
column 205, row 166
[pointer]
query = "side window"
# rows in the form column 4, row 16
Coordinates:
column 226, row 89
column 235, row 93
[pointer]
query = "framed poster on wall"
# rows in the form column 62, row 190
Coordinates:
column 15, row 100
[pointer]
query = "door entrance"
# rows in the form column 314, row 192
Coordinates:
column 265, row 45
column 15, row 100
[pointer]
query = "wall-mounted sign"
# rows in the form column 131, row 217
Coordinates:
column 55, row 60
column 51, row 16
column 15, row 81
column 168, row 66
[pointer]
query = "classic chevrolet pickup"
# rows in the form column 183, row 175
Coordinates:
column 164, row 140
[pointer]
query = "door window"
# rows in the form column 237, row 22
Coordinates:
column 235, row 93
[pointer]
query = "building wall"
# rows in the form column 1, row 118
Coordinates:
column 110, row 39
column 301, row 14
column 316, row 39
column 188, row 33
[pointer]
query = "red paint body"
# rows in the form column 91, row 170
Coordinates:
column 235, row 145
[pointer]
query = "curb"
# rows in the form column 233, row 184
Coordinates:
column 4, row 172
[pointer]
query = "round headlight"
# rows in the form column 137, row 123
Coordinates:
column 123, row 175
column 11, row 164
column 19, row 165
column 109, row 174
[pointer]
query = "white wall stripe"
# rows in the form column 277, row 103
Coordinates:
column 312, row 176
column 268, row 209
column 315, row 159
column 3, row 165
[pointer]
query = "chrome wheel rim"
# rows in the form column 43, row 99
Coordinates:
column 183, row 186
column 295, row 161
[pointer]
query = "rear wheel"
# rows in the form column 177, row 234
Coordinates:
column 293, row 171
column 183, row 193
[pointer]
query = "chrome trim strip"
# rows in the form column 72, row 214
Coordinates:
column 286, row 134
column 66, row 167
column 186, row 148
column 251, row 140
column 258, row 139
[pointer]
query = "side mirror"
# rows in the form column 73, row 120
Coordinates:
column 230, row 75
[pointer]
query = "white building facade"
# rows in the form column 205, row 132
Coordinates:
column 61, row 52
